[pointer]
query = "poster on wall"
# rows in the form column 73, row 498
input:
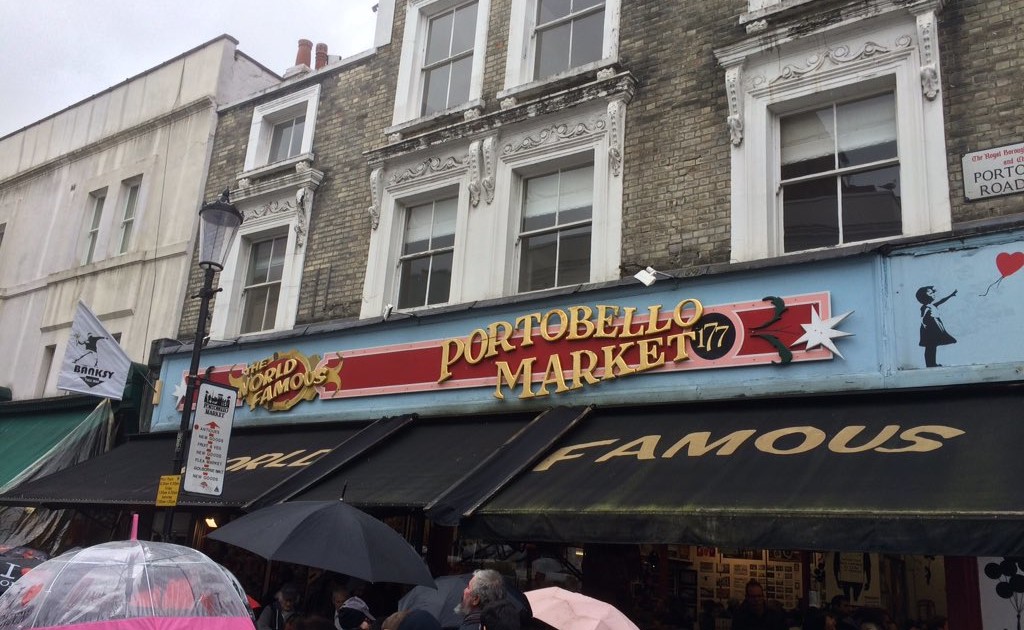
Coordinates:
column 854, row 575
column 949, row 303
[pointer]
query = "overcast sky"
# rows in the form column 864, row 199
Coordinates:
column 54, row 53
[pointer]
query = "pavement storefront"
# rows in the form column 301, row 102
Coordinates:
column 658, row 446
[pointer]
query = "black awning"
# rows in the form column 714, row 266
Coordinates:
column 129, row 474
column 933, row 472
column 491, row 473
column 418, row 463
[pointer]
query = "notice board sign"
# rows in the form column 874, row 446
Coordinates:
column 211, row 432
column 167, row 491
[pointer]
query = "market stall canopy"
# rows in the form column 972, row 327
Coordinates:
column 930, row 472
column 130, row 474
column 29, row 431
column 418, row 463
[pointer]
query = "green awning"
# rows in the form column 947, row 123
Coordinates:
column 30, row 431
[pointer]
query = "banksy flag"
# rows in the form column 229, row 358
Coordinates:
column 94, row 362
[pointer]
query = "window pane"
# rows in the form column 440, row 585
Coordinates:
column 574, row 256
column 578, row 5
column 255, row 309
column 871, row 205
column 867, row 130
column 810, row 214
column 587, row 39
column 576, row 194
column 548, row 10
column 129, row 206
column 465, row 29
column 443, row 232
column 458, row 93
column 276, row 269
column 417, row 229
column 97, row 213
column 439, row 38
column 412, row 287
column 280, row 141
column 552, row 51
column 808, row 143
column 298, row 126
column 541, row 202
column 435, row 89
column 440, row 278
column 539, row 255
column 259, row 262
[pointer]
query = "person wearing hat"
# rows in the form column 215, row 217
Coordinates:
column 354, row 614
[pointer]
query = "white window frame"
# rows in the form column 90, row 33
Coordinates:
column 97, row 201
column 766, row 84
column 381, row 284
column 522, row 47
column 266, row 116
column 522, row 156
column 262, row 218
column 249, row 243
column 409, row 96
column 127, row 224
column 407, row 206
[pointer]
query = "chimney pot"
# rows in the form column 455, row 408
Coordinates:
column 302, row 58
column 321, row 56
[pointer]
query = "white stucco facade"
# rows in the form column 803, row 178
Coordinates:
column 99, row 202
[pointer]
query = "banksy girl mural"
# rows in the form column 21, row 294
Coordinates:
column 933, row 332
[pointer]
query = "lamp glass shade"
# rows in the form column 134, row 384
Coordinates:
column 218, row 224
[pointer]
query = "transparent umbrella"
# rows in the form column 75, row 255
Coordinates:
column 126, row 585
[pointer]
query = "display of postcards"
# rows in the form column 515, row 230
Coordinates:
column 706, row 592
column 707, row 567
column 739, row 569
column 741, row 554
column 754, row 567
column 770, row 574
column 723, row 568
column 723, row 582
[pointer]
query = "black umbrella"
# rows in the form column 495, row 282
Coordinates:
column 328, row 535
column 441, row 602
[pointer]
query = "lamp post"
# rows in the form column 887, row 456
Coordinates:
column 218, row 224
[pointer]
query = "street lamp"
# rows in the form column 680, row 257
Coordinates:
column 218, row 224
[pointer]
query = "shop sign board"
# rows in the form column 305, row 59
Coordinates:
column 211, row 433
column 548, row 353
column 994, row 172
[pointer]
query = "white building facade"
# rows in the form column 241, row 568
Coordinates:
column 99, row 203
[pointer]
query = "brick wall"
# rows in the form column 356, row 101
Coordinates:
column 983, row 98
column 676, row 200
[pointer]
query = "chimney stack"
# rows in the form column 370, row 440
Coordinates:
column 321, row 56
column 302, row 58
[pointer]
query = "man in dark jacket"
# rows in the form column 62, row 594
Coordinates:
column 485, row 587
column 753, row 614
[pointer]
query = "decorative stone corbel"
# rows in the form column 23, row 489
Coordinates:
column 376, row 194
column 304, row 209
column 735, row 118
column 508, row 103
column 482, row 155
column 929, row 58
column 616, row 129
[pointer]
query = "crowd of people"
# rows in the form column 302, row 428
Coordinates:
column 485, row 606
column 757, row 613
